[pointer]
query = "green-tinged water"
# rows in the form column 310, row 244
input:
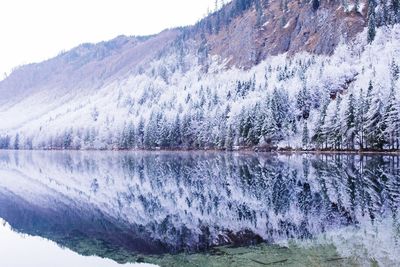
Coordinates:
column 262, row 255
column 203, row 208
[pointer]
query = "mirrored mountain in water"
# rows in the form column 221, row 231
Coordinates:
column 113, row 204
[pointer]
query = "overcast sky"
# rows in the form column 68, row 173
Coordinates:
column 34, row 30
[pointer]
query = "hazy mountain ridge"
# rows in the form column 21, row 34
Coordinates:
column 87, row 66
column 209, row 87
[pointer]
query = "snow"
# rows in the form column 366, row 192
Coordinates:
column 287, row 25
column 161, row 87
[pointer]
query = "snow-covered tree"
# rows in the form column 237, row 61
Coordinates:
column 349, row 125
column 374, row 126
column 371, row 20
column 391, row 121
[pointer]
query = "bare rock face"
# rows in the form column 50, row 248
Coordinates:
column 292, row 28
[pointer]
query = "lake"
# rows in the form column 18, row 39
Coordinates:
column 198, row 209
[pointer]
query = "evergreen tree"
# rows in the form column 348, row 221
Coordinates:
column 391, row 120
column 365, row 109
column 374, row 125
column 16, row 142
column 279, row 106
column 175, row 135
column 67, row 139
column 336, row 133
column 332, row 126
column 305, row 137
column 371, row 21
column 131, row 135
column 163, row 132
column 395, row 5
column 304, row 102
column 123, row 142
column 350, row 122
column 320, row 137
column 270, row 130
column 186, row 131
column 360, row 120
column 394, row 71
column 315, row 4
column 140, row 133
column 229, row 140
column 151, row 132
column 245, row 125
column 5, row 142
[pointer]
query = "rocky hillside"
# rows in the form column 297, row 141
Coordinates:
column 254, row 73
column 245, row 34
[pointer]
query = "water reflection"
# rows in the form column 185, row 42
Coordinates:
column 112, row 204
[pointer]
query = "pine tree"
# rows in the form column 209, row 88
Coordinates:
column 332, row 126
column 253, row 135
column 396, row 10
column 151, row 132
column 305, row 137
column 371, row 21
column 5, row 142
column 374, row 124
column 229, row 139
column 140, row 133
column 394, row 71
column 67, row 139
column 304, row 102
column 385, row 17
column 186, row 131
column 16, row 142
column 131, row 135
column 123, row 142
column 366, row 103
column 360, row 120
column 315, row 4
column 319, row 137
column 279, row 106
column 270, row 130
column 336, row 134
column 350, row 122
column 175, row 135
column 391, row 120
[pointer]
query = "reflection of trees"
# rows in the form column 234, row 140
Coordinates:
column 196, row 200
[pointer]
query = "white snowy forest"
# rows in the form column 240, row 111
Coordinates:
column 184, row 100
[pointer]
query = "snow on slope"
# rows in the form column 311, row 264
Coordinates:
column 166, row 87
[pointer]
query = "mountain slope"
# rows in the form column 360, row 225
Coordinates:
column 264, row 28
column 254, row 73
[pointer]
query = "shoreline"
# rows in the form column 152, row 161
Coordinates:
column 244, row 150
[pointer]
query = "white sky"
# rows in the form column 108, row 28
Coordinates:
column 35, row 30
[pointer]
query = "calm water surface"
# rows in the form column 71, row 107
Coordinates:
column 207, row 209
